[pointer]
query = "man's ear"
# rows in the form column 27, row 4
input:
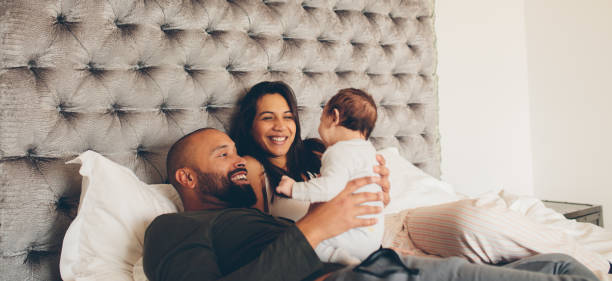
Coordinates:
column 186, row 178
column 336, row 117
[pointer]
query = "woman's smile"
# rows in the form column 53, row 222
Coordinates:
column 273, row 125
column 278, row 140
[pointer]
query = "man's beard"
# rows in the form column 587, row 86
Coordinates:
column 223, row 188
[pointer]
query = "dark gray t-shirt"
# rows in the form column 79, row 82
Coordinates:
column 229, row 244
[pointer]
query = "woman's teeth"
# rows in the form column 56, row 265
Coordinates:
column 278, row 139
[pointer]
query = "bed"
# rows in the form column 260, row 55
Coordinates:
column 127, row 78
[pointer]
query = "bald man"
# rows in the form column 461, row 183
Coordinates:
column 219, row 237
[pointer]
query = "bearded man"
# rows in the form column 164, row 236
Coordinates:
column 220, row 237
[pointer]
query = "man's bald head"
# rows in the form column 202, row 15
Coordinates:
column 207, row 172
column 179, row 155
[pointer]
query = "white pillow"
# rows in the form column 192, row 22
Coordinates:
column 105, row 239
column 411, row 187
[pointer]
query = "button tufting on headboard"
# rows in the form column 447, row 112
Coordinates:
column 188, row 69
column 67, row 206
column 31, row 64
column 60, row 19
column 127, row 78
column 116, row 110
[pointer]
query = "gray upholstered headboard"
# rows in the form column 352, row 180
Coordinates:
column 127, row 78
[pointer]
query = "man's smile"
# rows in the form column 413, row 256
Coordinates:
column 238, row 176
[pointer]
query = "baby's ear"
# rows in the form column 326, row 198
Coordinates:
column 336, row 117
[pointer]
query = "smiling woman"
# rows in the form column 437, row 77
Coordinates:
column 274, row 127
column 267, row 133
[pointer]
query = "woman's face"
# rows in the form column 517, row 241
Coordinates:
column 273, row 126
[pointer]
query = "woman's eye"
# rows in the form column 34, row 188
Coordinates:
column 266, row 118
column 223, row 155
column 289, row 117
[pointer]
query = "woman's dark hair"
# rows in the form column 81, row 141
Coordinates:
column 300, row 159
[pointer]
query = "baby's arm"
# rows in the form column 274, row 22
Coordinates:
column 285, row 186
column 334, row 175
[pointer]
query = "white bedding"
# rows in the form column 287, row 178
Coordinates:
column 412, row 188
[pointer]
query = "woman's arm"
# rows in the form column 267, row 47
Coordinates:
column 256, row 177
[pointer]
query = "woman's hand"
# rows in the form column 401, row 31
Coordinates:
column 383, row 171
column 338, row 215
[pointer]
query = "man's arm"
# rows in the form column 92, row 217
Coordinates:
column 290, row 256
column 340, row 214
column 383, row 171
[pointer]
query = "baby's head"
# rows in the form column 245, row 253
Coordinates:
column 350, row 114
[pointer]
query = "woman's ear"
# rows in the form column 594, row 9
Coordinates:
column 336, row 117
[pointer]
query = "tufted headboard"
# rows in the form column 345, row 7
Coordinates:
column 127, row 78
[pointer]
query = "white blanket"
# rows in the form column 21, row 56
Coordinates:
column 412, row 188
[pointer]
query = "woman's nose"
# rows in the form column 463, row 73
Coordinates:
column 279, row 124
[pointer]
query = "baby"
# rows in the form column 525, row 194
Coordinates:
column 347, row 120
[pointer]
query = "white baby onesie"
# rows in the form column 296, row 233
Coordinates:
column 342, row 162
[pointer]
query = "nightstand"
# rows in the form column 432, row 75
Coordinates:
column 580, row 212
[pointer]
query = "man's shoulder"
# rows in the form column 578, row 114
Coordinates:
column 182, row 216
column 199, row 217
column 232, row 216
column 179, row 226
column 186, row 221
column 169, row 232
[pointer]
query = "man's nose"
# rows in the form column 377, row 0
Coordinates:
column 241, row 163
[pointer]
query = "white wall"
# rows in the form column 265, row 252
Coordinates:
column 483, row 90
column 570, row 85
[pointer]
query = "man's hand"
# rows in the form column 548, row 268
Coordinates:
column 383, row 171
column 340, row 214
column 285, row 186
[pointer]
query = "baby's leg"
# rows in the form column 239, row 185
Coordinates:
column 351, row 246
column 327, row 252
column 356, row 244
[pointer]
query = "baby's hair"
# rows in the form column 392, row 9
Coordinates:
column 357, row 110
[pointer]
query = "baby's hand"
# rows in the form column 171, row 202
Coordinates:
column 285, row 186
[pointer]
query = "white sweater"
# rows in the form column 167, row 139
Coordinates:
column 341, row 162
